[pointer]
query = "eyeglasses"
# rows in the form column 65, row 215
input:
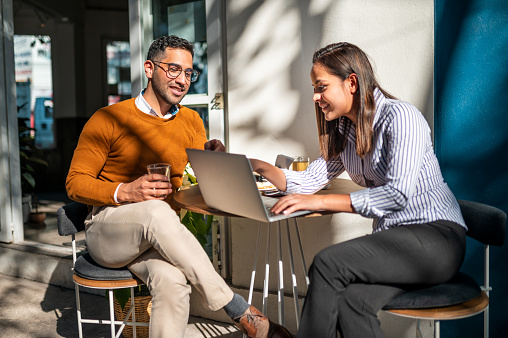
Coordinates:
column 175, row 70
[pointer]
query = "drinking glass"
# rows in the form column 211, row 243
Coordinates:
column 159, row 168
column 300, row 163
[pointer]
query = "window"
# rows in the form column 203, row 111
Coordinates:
column 34, row 86
column 118, row 61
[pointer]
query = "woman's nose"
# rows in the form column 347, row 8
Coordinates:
column 316, row 97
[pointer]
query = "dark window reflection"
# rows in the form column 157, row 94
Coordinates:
column 186, row 19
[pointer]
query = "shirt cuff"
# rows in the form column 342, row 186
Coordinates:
column 359, row 201
column 291, row 178
column 115, row 196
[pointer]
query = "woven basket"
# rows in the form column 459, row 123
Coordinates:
column 143, row 309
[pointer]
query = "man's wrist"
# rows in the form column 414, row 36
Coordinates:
column 115, row 196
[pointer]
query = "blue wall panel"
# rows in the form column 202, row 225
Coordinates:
column 471, row 129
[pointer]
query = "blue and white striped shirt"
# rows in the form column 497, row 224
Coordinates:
column 401, row 172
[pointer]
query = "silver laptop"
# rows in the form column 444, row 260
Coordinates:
column 227, row 183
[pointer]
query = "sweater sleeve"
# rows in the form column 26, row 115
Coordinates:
column 83, row 183
column 200, row 136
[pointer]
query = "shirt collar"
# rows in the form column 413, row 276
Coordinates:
column 142, row 105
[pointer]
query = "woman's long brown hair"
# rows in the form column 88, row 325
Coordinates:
column 343, row 59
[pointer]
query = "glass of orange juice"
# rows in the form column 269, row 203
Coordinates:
column 300, row 163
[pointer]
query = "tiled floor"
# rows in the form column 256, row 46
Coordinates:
column 32, row 309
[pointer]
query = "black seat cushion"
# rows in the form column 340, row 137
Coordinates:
column 86, row 267
column 71, row 218
column 459, row 289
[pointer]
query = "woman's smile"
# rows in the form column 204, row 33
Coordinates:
column 324, row 106
column 333, row 95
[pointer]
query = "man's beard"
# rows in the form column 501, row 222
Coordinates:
column 163, row 89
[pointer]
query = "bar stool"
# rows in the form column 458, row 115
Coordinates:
column 87, row 273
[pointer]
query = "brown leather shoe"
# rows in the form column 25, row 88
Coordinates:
column 278, row 331
column 255, row 325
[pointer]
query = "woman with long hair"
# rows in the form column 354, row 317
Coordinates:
column 384, row 144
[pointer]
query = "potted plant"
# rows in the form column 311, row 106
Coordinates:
column 143, row 309
column 36, row 217
column 31, row 158
column 198, row 224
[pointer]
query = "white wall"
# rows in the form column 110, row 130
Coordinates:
column 269, row 52
column 270, row 45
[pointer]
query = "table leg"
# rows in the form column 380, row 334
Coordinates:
column 301, row 253
column 280, row 279
column 293, row 277
column 280, row 269
column 253, row 274
column 267, row 270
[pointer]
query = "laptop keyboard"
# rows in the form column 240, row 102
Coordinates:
column 269, row 202
column 268, row 212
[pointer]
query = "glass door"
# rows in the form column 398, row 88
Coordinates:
column 118, row 72
column 198, row 22
column 11, row 222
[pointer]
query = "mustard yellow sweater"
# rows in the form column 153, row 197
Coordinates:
column 119, row 141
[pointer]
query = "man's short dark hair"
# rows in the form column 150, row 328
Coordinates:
column 158, row 47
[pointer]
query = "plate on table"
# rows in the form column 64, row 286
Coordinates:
column 272, row 193
column 268, row 189
column 266, row 186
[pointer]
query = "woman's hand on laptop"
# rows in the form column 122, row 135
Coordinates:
column 291, row 203
column 332, row 202
column 215, row 145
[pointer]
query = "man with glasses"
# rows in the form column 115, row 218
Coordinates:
column 131, row 222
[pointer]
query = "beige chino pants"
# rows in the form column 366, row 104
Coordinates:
column 149, row 238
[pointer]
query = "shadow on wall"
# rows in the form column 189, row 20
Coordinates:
column 288, row 115
column 471, row 140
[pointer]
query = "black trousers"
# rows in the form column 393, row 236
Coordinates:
column 351, row 281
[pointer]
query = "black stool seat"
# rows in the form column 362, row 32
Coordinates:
column 86, row 267
column 461, row 297
column 459, row 289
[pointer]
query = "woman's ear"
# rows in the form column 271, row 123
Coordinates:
column 353, row 83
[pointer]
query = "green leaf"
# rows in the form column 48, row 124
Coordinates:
column 202, row 239
column 38, row 160
column 209, row 221
column 23, row 155
column 196, row 224
column 122, row 296
column 186, row 219
column 199, row 223
column 25, row 167
column 29, row 178
column 189, row 223
column 192, row 178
